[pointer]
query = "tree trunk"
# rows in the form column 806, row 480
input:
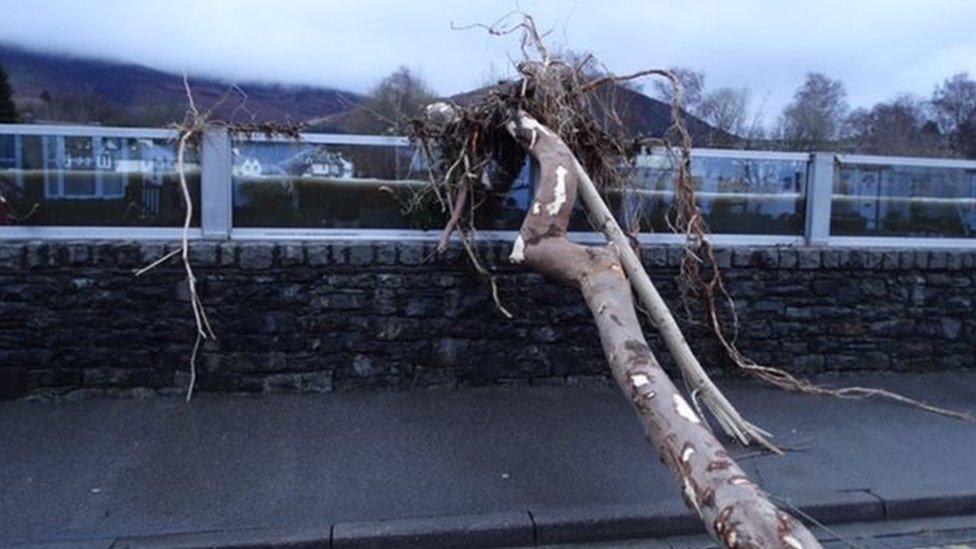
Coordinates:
column 694, row 375
column 735, row 511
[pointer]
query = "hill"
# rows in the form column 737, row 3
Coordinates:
column 66, row 88
column 641, row 114
column 62, row 88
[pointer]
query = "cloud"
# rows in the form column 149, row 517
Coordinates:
column 878, row 48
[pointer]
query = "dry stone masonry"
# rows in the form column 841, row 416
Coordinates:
column 324, row 316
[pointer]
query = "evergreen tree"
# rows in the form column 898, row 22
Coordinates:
column 8, row 112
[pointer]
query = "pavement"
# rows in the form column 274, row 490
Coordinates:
column 477, row 467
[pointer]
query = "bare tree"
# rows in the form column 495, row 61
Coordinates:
column 814, row 119
column 728, row 110
column 692, row 84
column 955, row 105
column 899, row 127
column 396, row 100
column 84, row 107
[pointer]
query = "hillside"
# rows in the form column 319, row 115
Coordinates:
column 59, row 88
column 110, row 92
column 641, row 114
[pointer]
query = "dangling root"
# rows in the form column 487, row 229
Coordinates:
column 698, row 249
column 191, row 131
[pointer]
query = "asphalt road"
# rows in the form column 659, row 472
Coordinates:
column 551, row 463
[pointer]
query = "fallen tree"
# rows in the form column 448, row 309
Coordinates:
column 556, row 113
column 734, row 510
column 561, row 114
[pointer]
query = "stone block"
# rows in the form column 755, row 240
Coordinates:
column 317, row 254
column 11, row 255
column 362, row 254
column 809, row 258
column 256, row 255
column 79, row 254
column 203, row 254
column 386, row 253
column 410, row 253
column 228, row 254
column 291, row 254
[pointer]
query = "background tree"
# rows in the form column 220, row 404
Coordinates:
column 814, row 119
column 902, row 127
column 963, row 141
column 954, row 102
column 8, row 111
column 693, row 83
column 84, row 107
column 726, row 109
column 391, row 105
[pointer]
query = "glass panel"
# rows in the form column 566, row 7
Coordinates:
column 8, row 152
column 579, row 221
column 903, row 201
column 93, row 181
column 736, row 195
column 306, row 185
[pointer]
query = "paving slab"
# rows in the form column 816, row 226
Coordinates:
column 569, row 462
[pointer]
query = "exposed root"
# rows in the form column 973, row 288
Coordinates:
column 785, row 380
column 695, row 286
column 473, row 160
column 191, row 131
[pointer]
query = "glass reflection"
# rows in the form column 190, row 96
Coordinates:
column 303, row 185
column 736, row 195
column 95, row 181
column 903, row 201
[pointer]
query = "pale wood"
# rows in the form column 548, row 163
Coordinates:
column 694, row 375
column 735, row 511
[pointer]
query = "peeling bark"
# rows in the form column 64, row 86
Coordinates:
column 734, row 510
column 694, row 375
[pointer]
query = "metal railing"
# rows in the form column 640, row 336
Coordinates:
column 750, row 197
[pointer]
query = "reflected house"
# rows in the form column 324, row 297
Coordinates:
column 95, row 180
column 323, row 163
column 251, row 167
column 313, row 162
column 860, row 190
column 330, row 185
column 268, row 179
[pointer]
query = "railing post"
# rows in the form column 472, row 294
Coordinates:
column 820, row 189
column 215, row 184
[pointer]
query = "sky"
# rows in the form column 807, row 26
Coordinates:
column 879, row 48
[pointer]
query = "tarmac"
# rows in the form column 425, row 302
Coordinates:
column 493, row 467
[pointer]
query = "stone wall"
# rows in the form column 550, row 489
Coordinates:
column 315, row 316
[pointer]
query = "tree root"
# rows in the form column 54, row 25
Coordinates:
column 191, row 131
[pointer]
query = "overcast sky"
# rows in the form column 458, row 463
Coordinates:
column 877, row 47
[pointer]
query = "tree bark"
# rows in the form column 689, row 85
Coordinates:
column 730, row 419
column 735, row 511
